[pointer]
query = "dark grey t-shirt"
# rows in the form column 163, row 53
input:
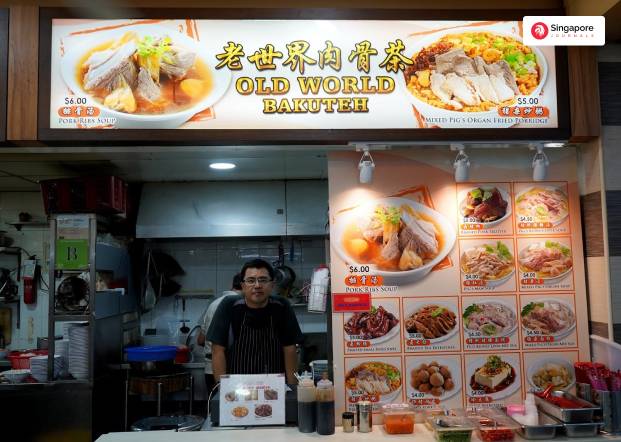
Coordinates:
column 233, row 314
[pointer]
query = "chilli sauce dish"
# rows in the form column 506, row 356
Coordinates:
column 494, row 426
column 398, row 418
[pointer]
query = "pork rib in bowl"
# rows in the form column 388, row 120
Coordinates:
column 144, row 77
column 395, row 237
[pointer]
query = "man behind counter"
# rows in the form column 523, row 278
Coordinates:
column 255, row 333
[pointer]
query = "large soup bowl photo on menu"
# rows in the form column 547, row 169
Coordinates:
column 471, row 72
column 394, row 237
column 144, row 76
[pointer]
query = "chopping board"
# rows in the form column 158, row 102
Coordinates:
column 5, row 324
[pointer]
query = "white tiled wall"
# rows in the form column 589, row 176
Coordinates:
column 211, row 264
column 34, row 241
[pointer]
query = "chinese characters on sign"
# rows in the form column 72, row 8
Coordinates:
column 297, row 59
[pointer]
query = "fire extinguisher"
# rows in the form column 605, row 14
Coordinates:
column 30, row 281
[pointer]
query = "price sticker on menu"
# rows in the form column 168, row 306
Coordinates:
column 252, row 400
column 473, row 280
column 479, row 397
column 356, row 396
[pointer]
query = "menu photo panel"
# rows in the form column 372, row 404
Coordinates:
column 375, row 331
column 456, row 316
column 485, row 209
column 490, row 323
column 431, row 324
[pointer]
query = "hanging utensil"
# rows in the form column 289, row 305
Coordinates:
column 150, row 298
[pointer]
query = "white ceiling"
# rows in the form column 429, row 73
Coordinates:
column 21, row 169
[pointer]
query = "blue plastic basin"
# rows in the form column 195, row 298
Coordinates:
column 151, row 353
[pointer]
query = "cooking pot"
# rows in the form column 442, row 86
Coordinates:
column 177, row 423
column 284, row 277
column 153, row 367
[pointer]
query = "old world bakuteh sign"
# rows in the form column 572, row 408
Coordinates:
column 298, row 74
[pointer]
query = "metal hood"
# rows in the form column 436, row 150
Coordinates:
column 212, row 209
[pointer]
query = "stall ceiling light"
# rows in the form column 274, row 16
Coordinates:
column 554, row 144
column 222, row 166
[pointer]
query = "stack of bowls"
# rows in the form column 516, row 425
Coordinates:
column 16, row 375
column 78, row 351
column 38, row 367
column 62, row 349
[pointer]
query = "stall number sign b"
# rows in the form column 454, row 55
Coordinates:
column 72, row 254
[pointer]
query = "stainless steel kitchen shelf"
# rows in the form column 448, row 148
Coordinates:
column 71, row 318
column 20, row 225
column 10, row 250
column 3, row 300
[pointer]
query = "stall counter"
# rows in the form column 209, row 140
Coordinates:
column 291, row 434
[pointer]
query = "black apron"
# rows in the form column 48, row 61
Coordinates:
column 257, row 349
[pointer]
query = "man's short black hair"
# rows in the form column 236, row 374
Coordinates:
column 257, row 264
column 237, row 280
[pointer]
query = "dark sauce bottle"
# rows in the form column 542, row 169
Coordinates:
column 325, row 406
column 307, row 406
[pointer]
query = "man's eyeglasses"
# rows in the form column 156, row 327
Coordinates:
column 253, row 281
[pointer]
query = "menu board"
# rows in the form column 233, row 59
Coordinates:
column 298, row 74
column 477, row 290
column 252, row 400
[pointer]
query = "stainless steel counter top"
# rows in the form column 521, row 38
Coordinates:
column 291, row 434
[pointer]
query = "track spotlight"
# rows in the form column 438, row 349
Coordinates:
column 540, row 164
column 366, row 166
column 461, row 163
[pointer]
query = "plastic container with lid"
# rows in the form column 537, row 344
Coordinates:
column 494, row 426
column 452, row 428
column 431, row 413
column 398, row 418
